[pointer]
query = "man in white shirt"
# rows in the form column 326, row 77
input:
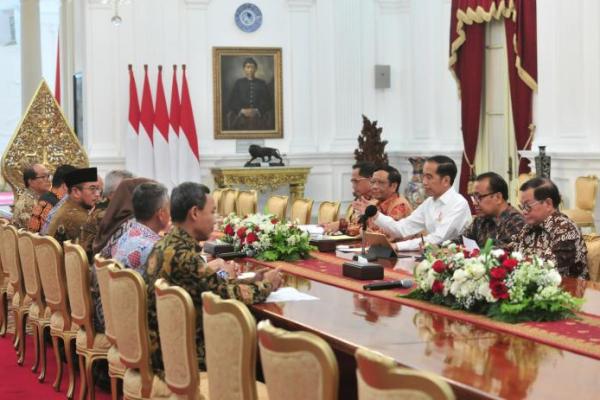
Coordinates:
column 443, row 215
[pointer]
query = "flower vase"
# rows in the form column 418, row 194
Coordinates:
column 415, row 192
column 542, row 163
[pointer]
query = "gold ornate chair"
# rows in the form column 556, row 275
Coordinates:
column 3, row 291
column 39, row 313
column 230, row 340
column 301, row 211
column 50, row 261
column 277, row 205
column 297, row 360
column 177, row 328
column 247, row 202
column 129, row 306
column 228, row 202
column 328, row 212
column 216, row 195
column 586, row 190
column 380, row 377
column 20, row 302
column 116, row 369
column 592, row 243
column 90, row 345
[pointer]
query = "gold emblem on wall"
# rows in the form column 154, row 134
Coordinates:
column 43, row 136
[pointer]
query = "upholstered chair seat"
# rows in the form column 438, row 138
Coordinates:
column 580, row 217
column 115, row 366
column 246, row 203
column 101, row 343
column 57, row 324
column 592, row 242
column 132, row 386
column 277, row 205
column 586, row 191
column 227, row 203
column 301, row 211
column 34, row 313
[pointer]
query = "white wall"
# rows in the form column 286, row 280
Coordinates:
column 330, row 48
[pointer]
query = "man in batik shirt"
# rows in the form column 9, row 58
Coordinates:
column 549, row 233
column 496, row 218
column 37, row 182
column 177, row 259
column 361, row 189
column 40, row 212
column 385, row 184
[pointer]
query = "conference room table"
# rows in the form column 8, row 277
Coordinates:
column 478, row 363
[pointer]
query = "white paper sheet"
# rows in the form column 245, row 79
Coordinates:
column 288, row 294
column 469, row 244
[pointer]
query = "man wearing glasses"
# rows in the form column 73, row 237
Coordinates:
column 548, row 233
column 37, row 182
column 84, row 192
column 496, row 218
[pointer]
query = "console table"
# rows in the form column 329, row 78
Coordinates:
column 262, row 178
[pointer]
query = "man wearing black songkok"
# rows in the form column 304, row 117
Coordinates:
column 84, row 191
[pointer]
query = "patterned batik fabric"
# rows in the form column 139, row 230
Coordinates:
column 52, row 213
column 395, row 206
column 134, row 246
column 23, row 208
column 177, row 259
column 556, row 239
column 500, row 229
column 39, row 214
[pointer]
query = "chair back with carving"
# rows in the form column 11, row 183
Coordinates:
column 78, row 286
column 380, row 377
column 328, row 212
column 592, row 242
column 216, row 195
column 129, row 306
column 247, row 202
column 297, row 360
column 277, row 205
column 31, row 277
column 50, row 261
column 12, row 262
column 230, row 340
column 228, row 202
column 586, row 190
column 301, row 211
column 177, row 329
column 349, row 212
column 3, row 273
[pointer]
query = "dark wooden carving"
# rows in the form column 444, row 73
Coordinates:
column 370, row 146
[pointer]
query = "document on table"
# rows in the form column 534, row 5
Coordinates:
column 288, row 294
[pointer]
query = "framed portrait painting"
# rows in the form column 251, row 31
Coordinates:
column 247, row 93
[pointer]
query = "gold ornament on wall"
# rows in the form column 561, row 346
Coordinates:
column 43, row 136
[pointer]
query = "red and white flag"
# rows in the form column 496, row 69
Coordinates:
column 189, row 160
column 174, row 112
column 146, row 136
column 162, row 165
column 133, row 127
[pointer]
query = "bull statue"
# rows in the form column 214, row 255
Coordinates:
column 265, row 154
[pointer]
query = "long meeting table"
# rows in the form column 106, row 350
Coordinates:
column 478, row 363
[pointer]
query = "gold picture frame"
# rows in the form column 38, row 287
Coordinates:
column 247, row 93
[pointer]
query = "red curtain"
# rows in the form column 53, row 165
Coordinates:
column 467, row 44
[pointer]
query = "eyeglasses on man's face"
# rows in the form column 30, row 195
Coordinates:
column 93, row 189
column 379, row 182
column 46, row 176
column 355, row 181
column 527, row 207
column 476, row 197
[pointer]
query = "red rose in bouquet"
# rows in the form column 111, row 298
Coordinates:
column 241, row 232
column 499, row 290
column 437, row 287
column 510, row 263
column 251, row 238
column 229, row 230
column 439, row 266
column 498, row 273
column 274, row 221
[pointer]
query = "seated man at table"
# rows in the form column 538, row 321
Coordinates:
column 84, row 191
column 496, row 218
column 177, row 259
column 37, row 182
column 549, row 233
column 152, row 213
column 361, row 189
column 444, row 214
column 42, row 208
column 385, row 184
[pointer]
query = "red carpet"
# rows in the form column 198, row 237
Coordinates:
column 20, row 383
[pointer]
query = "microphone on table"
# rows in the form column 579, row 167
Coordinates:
column 402, row 284
column 370, row 211
column 363, row 268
